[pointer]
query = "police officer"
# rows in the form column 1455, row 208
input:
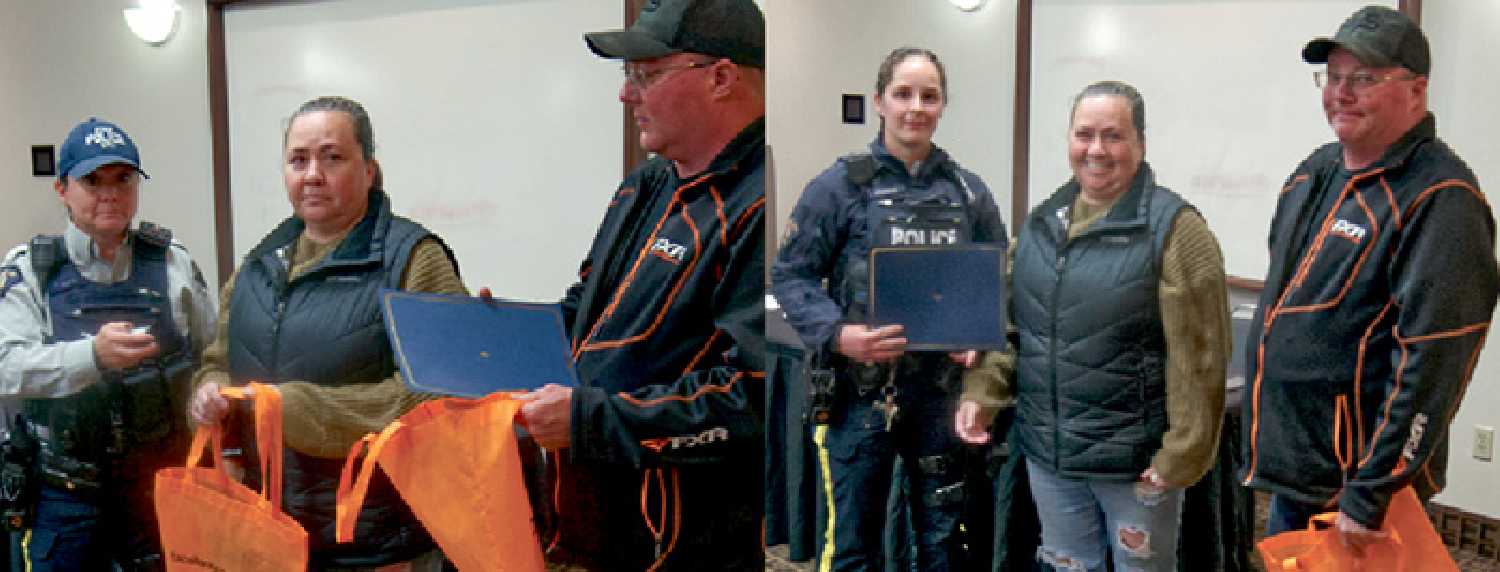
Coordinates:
column 904, row 192
column 99, row 327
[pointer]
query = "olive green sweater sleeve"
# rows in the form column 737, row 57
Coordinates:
column 1195, row 319
column 990, row 382
column 213, row 365
column 326, row 421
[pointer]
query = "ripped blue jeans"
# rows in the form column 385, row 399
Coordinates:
column 1082, row 518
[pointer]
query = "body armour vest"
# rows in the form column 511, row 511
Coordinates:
column 131, row 409
column 325, row 327
column 895, row 210
column 1091, row 388
column 900, row 216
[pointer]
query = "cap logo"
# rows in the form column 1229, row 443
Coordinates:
column 1369, row 21
column 104, row 137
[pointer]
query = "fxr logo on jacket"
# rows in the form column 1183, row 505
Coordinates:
column 714, row 435
column 1345, row 229
column 666, row 250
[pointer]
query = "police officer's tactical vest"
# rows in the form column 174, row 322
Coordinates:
column 904, row 218
column 131, row 409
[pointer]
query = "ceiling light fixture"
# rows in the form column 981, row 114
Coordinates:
column 153, row 21
column 968, row 5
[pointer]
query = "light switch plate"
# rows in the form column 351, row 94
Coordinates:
column 1484, row 442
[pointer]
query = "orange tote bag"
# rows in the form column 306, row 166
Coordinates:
column 455, row 463
column 1411, row 544
column 209, row 521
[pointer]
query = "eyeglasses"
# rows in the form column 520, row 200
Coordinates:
column 643, row 79
column 1357, row 81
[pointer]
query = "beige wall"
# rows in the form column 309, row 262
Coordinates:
column 1462, row 94
column 64, row 60
column 819, row 50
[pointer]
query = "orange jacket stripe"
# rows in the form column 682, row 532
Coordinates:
column 719, row 212
column 702, row 391
column 1318, row 245
column 1295, row 180
column 1303, row 267
column 666, row 304
column 641, row 257
column 1390, row 400
column 629, row 276
column 1359, row 370
column 755, row 207
column 1404, row 342
column 676, row 518
column 1340, row 410
column 1449, row 184
column 703, row 352
column 1390, row 199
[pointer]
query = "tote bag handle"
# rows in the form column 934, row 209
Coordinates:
column 268, row 437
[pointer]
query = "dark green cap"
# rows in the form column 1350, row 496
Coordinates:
column 733, row 29
column 1379, row 37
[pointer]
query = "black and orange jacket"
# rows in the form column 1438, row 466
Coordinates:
column 667, row 326
column 1376, row 304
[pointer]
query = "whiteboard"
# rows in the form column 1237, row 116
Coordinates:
column 1231, row 108
column 494, row 125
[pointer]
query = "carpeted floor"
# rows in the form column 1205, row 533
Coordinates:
column 1467, row 560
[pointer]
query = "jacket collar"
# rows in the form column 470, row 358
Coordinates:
column 363, row 243
column 1130, row 210
column 932, row 166
column 750, row 142
column 1400, row 152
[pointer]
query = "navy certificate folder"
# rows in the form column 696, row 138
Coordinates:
column 948, row 298
column 463, row 346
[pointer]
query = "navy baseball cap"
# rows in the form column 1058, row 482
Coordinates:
column 93, row 144
column 733, row 29
column 1378, row 36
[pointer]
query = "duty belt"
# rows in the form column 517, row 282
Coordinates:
column 169, row 366
column 68, row 473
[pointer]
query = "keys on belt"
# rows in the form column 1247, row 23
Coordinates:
column 886, row 404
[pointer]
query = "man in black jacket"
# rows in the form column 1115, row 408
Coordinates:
column 1378, row 297
column 663, row 436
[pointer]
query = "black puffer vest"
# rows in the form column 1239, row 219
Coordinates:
column 1090, row 365
column 325, row 327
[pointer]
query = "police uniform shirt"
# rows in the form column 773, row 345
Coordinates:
column 31, row 368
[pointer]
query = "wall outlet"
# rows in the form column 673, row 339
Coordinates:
column 1484, row 442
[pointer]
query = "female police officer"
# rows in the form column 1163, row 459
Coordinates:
column 853, row 206
column 99, row 328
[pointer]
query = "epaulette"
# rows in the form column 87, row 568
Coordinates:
column 859, row 168
column 156, row 235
